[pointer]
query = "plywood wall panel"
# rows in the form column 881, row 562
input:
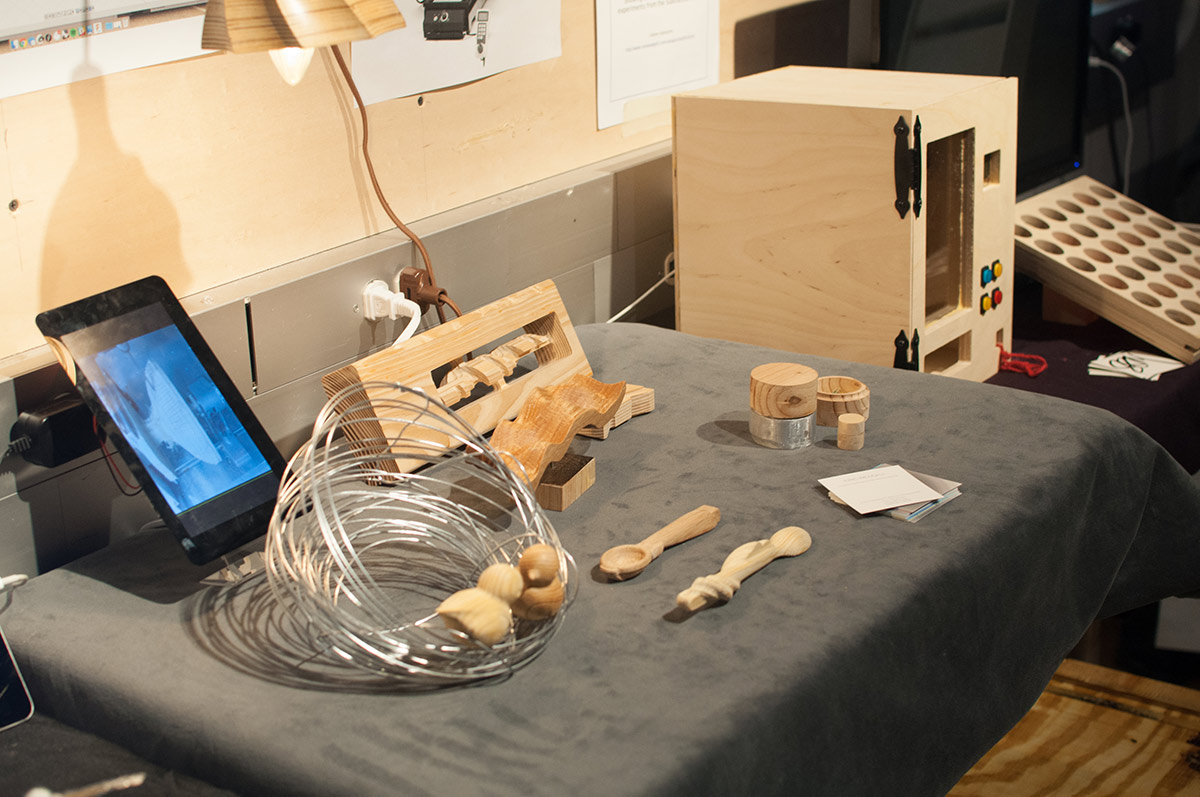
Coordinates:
column 212, row 169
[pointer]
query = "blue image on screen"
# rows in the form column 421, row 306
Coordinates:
column 174, row 417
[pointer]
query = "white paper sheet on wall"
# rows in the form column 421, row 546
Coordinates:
column 647, row 50
column 405, row 62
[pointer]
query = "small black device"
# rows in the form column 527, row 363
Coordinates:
column 448, row 19
column 15, row 704
column 159, row 393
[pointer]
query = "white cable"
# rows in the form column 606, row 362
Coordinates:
column 639, row 299
column 8, row 584
column 403, row 306
column 667, row 274
column 1093, row 61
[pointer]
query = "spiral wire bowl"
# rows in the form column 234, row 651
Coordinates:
column 393, row 504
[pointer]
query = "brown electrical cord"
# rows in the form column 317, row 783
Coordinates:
column 442, row 296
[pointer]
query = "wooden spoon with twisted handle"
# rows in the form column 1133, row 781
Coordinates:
column 744, row 561
column 626, row 561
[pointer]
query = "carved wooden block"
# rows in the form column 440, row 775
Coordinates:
column 638, row 401
column 542, row 431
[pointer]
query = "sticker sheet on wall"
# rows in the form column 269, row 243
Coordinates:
column 451, row 42
column 1117, row 258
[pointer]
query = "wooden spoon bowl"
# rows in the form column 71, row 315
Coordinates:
column 625, row 561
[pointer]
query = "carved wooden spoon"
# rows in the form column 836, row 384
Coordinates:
column 626, row 561
column 744, row 561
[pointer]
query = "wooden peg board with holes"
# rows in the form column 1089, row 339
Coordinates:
column 1118, row 259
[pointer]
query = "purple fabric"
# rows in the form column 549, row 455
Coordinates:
column 1166, row 410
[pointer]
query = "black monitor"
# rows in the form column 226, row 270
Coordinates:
column 1043, row 43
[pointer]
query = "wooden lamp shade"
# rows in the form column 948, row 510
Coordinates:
column 245, row 26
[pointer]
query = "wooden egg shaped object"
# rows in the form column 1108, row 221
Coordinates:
column 539, row 565
column 477, row 613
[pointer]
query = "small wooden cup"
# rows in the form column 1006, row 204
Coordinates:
column 837, row 395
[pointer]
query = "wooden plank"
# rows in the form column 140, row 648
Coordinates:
column 1096, row 731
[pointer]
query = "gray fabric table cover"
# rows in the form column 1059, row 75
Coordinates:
column 886, row 660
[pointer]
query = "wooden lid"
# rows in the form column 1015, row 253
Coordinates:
column 783, row 390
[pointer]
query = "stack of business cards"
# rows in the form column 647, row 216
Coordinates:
column 1133, row 365
column 891, row 489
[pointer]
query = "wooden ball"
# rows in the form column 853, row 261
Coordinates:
column 540, row 603
column 539, row 565
column 783, row 390
column 502, row 580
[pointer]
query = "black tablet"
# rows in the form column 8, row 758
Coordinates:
column 160, row 395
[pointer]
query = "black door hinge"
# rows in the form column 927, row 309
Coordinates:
column 902, row 359
column 908, row 167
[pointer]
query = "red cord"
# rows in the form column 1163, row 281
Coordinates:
column 112, row 468
column 1028, row 364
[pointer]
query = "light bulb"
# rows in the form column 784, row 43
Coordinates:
column 292, row 63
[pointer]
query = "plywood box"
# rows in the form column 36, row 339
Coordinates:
column 842, row 212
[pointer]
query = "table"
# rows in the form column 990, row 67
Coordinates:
column 885, row 660
column 1165, row 410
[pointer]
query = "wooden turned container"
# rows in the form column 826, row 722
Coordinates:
column 783, row 400
column 838, row 395
column 783, row 390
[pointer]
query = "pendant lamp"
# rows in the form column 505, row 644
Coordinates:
column 294, row 26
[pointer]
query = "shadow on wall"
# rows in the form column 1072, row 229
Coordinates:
column 98, row 230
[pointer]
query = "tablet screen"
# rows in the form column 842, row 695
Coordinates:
column 172, row 415
column 205, row 462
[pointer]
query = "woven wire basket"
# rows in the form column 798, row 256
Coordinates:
column 393, row 504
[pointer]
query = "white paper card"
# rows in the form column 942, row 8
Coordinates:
column 650, row 48
column 1134, row 364
column 878, row 489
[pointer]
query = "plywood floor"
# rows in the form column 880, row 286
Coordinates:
column 1096, row 731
